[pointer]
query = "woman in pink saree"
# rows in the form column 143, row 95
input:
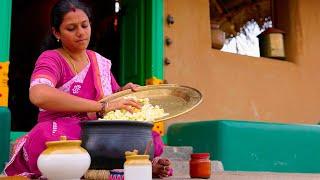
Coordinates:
column 67, row 84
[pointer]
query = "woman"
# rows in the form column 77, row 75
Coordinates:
column 67, row 83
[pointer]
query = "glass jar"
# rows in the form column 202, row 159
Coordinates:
column 200, row 165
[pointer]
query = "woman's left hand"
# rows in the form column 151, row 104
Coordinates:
column 131, row 86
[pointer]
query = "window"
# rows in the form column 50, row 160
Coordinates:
column 235, row 24
column 246, row 42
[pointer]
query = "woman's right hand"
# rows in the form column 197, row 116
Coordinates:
column 161, row 167
column 126, row 104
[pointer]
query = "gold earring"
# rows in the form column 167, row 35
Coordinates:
column 58, row 40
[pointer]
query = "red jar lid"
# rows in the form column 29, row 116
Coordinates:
column 200, row 155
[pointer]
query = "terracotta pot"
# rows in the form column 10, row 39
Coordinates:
column 64, row 159
column 217, row 36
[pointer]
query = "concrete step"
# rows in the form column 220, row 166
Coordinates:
column 180, row 157
column 181, row 168
column 179, row 153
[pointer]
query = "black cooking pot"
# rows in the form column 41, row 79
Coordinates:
column 108, row 140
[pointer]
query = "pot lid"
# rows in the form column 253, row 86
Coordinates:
column 174, row 99
column 271, row 31
column 63, row 141
column 134, row 155
column 200, row 155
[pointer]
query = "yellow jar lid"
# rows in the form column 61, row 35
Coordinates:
column 137, row 157
column 133, row 155
column 63, row 141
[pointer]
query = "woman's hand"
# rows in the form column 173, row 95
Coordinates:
column 131, row 86
column 126, row 104
column 161, row 168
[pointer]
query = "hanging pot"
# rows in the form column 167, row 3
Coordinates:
column 217, row 36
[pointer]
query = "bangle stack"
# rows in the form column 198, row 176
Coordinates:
column 102, row 111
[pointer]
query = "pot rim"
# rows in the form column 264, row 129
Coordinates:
column 116, row 122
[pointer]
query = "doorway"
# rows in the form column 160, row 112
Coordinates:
column 30, row 25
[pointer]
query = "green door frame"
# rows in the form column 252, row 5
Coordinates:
column 5, row 24
column 141, row 47
column 154, row 39
column 5, row 115
column 132, row 41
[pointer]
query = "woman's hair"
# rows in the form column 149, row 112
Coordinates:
column 58, row 11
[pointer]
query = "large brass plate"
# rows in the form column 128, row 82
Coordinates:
column 174, row 99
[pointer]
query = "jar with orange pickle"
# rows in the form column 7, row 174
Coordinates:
column 200, row 165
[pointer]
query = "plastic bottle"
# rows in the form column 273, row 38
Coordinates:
column 137, row 167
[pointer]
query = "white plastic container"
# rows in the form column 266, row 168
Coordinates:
column 137, row 167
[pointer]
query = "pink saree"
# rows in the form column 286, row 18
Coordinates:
column 93, row 82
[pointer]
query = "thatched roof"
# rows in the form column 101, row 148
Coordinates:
column 231, row 15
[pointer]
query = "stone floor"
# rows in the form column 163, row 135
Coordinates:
column 255, row 176
column 180, row 156
column 234, row 176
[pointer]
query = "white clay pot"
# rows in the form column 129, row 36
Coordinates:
column 64, row 160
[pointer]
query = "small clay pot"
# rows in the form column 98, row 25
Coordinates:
column 218, row 37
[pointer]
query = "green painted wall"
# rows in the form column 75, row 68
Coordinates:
column 5, row 23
